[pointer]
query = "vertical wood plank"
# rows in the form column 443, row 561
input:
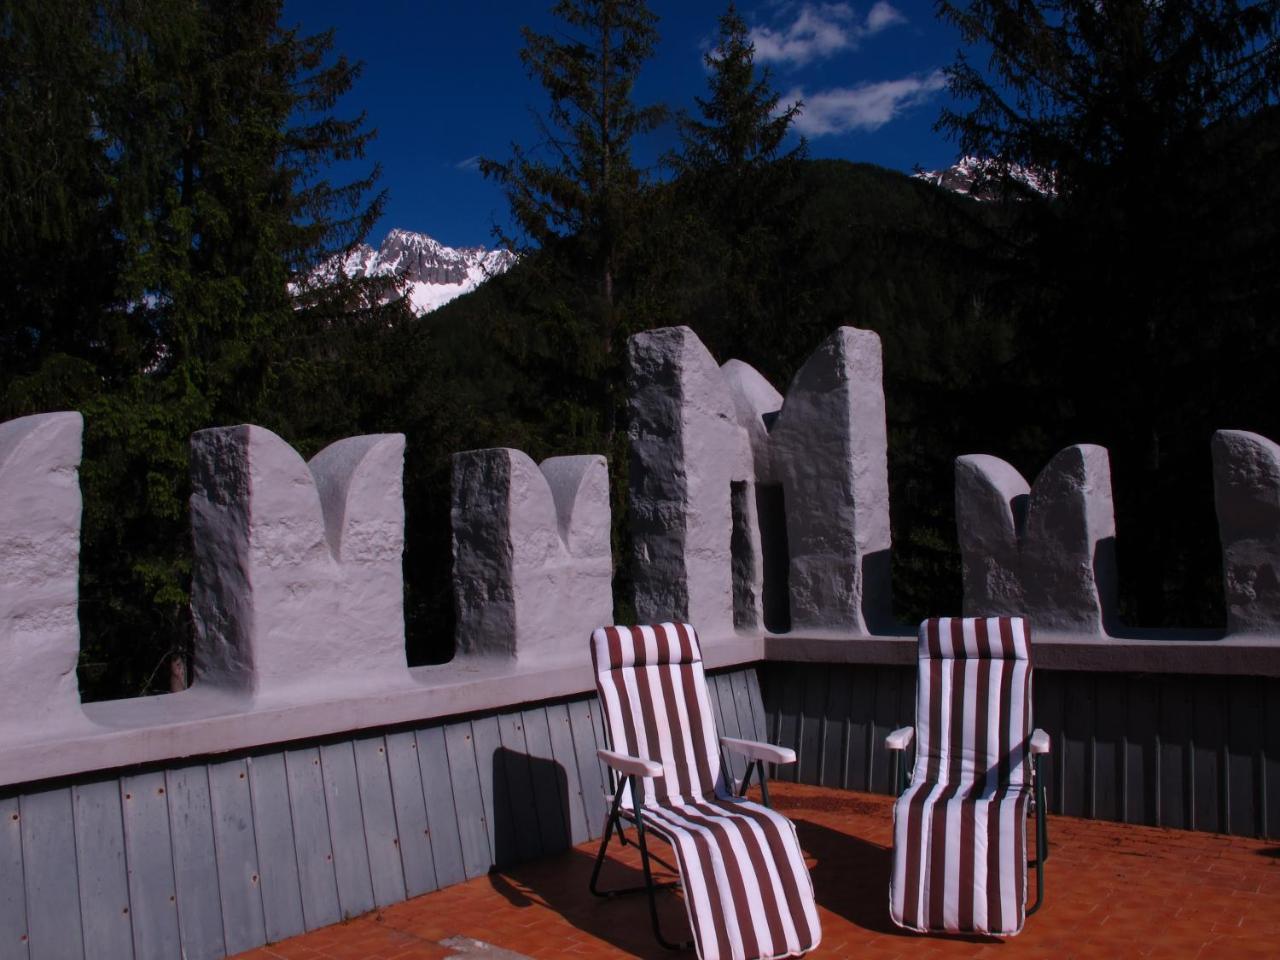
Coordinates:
column 495, row 797
column 195, row 871
column 1176, row 758
column 720, row 693
column 1208, row 738
column 1142, row 753
column 560, row 730
column 599, row 727
column 346, row 828
column 787, row 720
column 310, row 818
column 473, row 829
column 522, row 833
column 236, row 844
column 584, row 747
column 758, row 713
column 386, row 871
column 277, row 856
column 1244, row 756
column 1047, row 714
column 149, row 863
column 104, row 882
column 442, row 818
column 550, row 781
column 1109, row 747
column 742, row 703
column 1077, row 726
column 812, row 711
column 835, row 754
column 1271, row 757
column 413, row 828
column 14, row 938
column 888, row 707
column 49, row 859
column 860, row 708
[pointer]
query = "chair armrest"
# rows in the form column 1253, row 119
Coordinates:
column 900, row 739
column 631, row 766
column 755, row 750
column 1039, row 741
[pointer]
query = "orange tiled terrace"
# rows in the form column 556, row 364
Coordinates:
column 1112, row 890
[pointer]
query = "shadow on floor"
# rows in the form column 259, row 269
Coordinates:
column 560, row 884
column 851, row 879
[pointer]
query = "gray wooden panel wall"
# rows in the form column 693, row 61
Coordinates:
column 201, row 859
column 1186, row 751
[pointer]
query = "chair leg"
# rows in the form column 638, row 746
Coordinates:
column 1042, row 839
column 761, row 775
column 613, row 822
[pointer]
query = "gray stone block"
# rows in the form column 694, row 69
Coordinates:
column 532, row 564
column 297, row 576
column 1246, row 489
column 1044, row 551
column 687, row 449
column 830, row 453
column 40, row 510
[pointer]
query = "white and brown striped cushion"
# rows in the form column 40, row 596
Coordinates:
column 959, row 831
column 746, row 887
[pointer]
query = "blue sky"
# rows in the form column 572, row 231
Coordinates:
column 443, row 84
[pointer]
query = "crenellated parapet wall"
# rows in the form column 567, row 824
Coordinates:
column 297, row 578
column 761, row 516
column 1046, row 550
column 532, row 568
column 707, row 442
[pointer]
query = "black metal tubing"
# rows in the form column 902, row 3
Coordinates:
column 649, row 887
column 758, row 766
column 1042, row 834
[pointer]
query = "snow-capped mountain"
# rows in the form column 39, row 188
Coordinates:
column 426, row 271
column 979, row 177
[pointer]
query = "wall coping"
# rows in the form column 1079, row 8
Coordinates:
column 1135, row 651
column 205, row 721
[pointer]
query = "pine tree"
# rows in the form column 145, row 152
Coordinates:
column 586, row 190
column 741, row 126
column 182, row 151
column 1147, row 269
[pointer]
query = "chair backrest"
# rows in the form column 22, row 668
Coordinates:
column 654, row 698
column 973, row 701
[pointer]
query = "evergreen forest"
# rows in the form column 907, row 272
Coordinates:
column 165, row 197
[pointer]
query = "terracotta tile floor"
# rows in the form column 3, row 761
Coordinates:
column 1112, row 891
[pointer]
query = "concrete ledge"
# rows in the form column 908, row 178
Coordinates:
column 1207, row 652
column 205, row 721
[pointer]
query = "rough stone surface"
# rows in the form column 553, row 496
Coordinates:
column 297, row 577
column 757, row 404
column 40, row 559
column 687, row 449
column 1044, row 551
column 1246, row 488
column 532, row 566
column 830, row 453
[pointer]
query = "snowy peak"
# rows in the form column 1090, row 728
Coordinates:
column 426, row 271
column 981, row 178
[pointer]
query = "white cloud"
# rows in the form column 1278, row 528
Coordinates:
column 820, row 31
column 471, row 163
column 868, row 106
column 883, row 15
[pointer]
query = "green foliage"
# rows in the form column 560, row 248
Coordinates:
column 1143, row 286
column 162, row 185
column 741, row 126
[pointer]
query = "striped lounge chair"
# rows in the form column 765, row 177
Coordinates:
column 746, row 887
column 960, row 828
